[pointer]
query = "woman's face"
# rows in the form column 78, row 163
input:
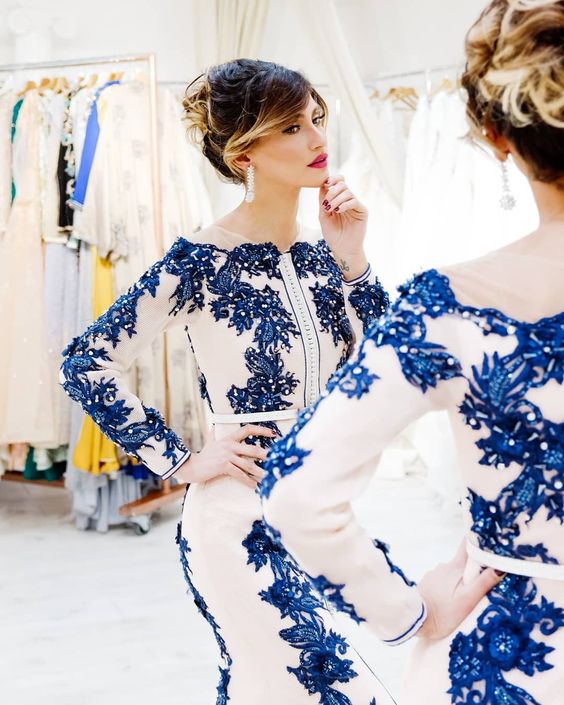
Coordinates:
column 296, row 156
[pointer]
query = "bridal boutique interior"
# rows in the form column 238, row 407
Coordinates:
column 97, row 180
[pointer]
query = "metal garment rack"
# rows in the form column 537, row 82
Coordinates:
column 166, row 493
column 420, row 72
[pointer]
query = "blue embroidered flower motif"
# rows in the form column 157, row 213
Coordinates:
column 256, row 259
column 356, row 379
column 330, row 308
column 266, row 387
column 517, row 433
column 369, row 301
column 193, row 264
column 321, row 659
column 314, row 259
column 424, row 363
column 501, row 642
column 224, row 672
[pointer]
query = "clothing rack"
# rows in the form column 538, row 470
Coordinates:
column 166, row 493
column 419, row 72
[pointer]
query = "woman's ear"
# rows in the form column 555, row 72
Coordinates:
column 243, row 162
column 500, row 145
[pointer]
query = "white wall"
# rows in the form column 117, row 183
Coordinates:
column 385, row 35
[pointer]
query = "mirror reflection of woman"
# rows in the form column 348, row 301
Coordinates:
column 483, row 340
column 271, row 310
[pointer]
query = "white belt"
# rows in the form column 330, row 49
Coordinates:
column 283, row 415
column 516, row 566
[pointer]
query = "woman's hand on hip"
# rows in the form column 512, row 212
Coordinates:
column 449, row 601
column 343, row 222
column 228, row 456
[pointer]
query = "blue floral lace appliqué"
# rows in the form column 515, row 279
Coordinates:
column 190, row 264
column 322, row 662
column 224, row 672
column 503, row 641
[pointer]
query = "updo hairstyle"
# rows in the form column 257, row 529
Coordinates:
column 233, row 104
column 514, row 79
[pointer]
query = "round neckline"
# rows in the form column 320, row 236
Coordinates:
column 491, row 310
column 244, row 240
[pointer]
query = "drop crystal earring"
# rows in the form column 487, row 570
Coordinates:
column 507, row 200
column 250, row 195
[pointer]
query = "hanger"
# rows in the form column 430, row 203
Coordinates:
column 61, row 85
column 404, row 94
column 115, row 76
column 445, row 85
column 30, row 85
column 92, row 81
column 45, row 84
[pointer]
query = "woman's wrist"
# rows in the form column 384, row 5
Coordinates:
column 183, row 474
column 351, row 265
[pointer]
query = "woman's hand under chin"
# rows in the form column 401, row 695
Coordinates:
column 343, row 222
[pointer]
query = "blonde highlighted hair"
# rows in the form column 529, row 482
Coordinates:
column 233, row 104
column 514, row 79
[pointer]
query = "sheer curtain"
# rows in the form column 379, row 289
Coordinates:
column 326, row 31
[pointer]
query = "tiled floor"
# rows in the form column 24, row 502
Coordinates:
column 90, row 619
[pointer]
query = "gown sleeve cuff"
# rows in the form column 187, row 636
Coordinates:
column 360, row 279
column 412, row 630
column 172, row 471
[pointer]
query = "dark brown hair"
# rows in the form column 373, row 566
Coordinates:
column 233, row 104
column 514, row 79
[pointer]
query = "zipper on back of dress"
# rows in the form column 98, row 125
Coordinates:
column 305, row 324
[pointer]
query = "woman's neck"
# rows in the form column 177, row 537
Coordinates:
column 269, row 218
column 550, row 204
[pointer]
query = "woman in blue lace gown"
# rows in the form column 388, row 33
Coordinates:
column 485, row 341
column 270, row 316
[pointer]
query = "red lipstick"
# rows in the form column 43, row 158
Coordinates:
column 319, row 162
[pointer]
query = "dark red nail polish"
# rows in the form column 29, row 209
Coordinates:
column 326, row 202
column 336, row 209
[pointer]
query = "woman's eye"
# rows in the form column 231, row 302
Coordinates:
column 319, row 119
column 292, row 129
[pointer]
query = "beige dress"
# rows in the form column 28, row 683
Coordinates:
column 484, row 341
column 26, row 376
column 268, row 329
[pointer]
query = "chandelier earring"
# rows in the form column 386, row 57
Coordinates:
column 507, row 200
column 250, row 195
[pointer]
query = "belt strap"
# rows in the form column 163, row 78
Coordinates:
column 516, row 566
column 283, row 415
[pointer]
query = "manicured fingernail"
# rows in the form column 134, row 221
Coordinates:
column 326, row 202
column 336, row 209
column 500, row 573
column 327, row 207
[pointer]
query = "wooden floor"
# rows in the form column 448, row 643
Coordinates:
column 103, row 619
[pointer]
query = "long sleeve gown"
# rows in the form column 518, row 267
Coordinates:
column 268, row 329
column 485, row 341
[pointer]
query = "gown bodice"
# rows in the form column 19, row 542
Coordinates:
column 268, row 328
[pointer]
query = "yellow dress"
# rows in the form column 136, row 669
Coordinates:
column 94, row 452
